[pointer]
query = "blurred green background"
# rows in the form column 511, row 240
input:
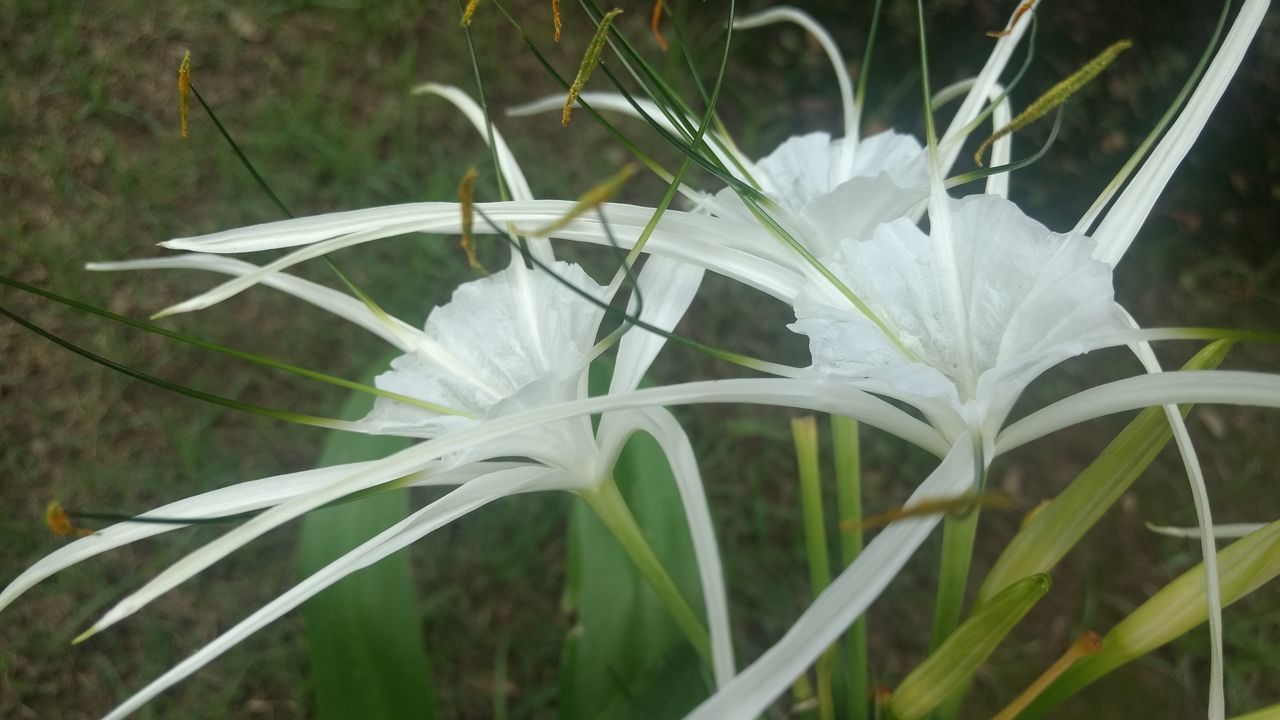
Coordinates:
column 92, row 167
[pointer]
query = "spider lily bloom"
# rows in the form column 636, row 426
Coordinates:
column 819, row 188
column 515, row 340
column 959, row 332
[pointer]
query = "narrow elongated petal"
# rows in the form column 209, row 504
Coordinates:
column 736, row 249
column 722, row 147
column 396, row 332
column 843, row 601
column 828, row 44
column 231, row 500
column 838, row 398
column 1208, row 546
column 511, row 172
column 1222, row 531
column 462, row 501
column 953, row 139
column 1116, row 231
column 1225, row 387
column 615, row 428
column 667, row 287
column 1048, row 536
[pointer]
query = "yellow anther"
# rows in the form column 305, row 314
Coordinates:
column 589, row 200
column 655, row 25
column 555, row 18
column 466, row 195
column 1017, row 15
column 1057, row 95
column 469, row 12
column 589, row 61
column 184, row 88
column 60, row 522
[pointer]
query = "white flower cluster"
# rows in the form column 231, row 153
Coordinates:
column 954, row 322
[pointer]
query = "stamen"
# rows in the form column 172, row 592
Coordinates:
column 1056, row 95
column 60, row 522
column 1022, row 10
column 960, row 504
column 469, row 12
column 593, row 198
column 466, row 196
column 1087, row 644
column 184, row 89
column 655, row 23
column 589, row 61
column 555, row 18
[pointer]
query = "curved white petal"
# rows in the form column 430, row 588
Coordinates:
column 461, row 501
column 825, row 397
column 511, row 172
column 847, row 598
column 1224, row 387
column 393, row 330
column 1221, row 531
column 1118, row 228
column 828, row 44
column 231, row 500
column 696, row 238
column 953, row 139
column 1208, row 548
column 722, row 147
column 615, row 428
column 666, row 287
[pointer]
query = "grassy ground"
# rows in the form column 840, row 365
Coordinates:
column 91, row 167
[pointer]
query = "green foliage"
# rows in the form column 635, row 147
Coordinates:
column 366, row 649
column 625, row 657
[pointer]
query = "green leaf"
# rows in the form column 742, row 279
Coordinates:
column 949, row 668
column 365, row 632
column 1058, row 526
column 625, row 657
column 1178, row 607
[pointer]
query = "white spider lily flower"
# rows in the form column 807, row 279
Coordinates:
column 1029, row 298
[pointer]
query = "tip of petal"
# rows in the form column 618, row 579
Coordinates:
column 85, row 635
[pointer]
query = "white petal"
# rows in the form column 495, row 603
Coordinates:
column 462, row 501
column 825, row 397
column 1221, row 531
column 667, row 287
column 394, row 331
column 953, row 139
column 828, row 44
column 615, row 428
column 230, row 500
column 1118, row 228
column 697, row 238
column 1226, row 387
column 507, row 164
column 497, row 335
column 847, row 598
column 1208, row 548
column 722, row 147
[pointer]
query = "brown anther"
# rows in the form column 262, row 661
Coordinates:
column 1022, row 10
column 655, row 25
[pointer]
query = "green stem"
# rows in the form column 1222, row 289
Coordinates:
column 957, row 553
column 608, row 504
column 805, row 432
column 848, row 452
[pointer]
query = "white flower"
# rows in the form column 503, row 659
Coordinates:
column 1028, row 299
